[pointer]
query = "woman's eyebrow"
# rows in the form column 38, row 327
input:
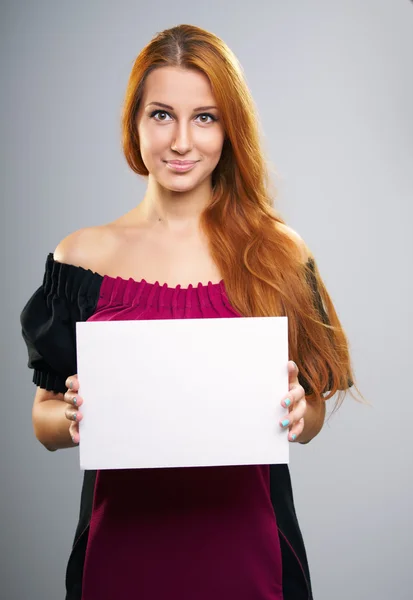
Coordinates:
column 171, row 107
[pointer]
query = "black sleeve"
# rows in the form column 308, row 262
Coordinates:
column 318, row 303
column 48, row 321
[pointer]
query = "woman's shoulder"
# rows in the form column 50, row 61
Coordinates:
column 303, row 252
column 86, row 248
column 69, row 293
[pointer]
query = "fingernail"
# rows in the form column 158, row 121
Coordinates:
column 285, row 422
column 74, row 416
column 287, row 402
column 75, row 400
column 70, row 385
column 293, row 436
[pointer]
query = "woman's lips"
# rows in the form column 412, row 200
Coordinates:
column 181, row 166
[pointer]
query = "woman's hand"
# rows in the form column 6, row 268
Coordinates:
column 72, row 412
column 296, row 403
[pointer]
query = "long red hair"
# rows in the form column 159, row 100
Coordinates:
column 263, row 270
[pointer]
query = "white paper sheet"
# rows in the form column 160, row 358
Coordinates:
column 182, row 392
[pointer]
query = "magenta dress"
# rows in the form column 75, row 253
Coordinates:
column 198, row 533
column 202, row 533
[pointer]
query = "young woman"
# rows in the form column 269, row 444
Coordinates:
column 207, row 231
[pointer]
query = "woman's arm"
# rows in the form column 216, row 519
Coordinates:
column 50, row 420
column 313, row 413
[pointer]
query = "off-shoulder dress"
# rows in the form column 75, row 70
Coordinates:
column 221, row 533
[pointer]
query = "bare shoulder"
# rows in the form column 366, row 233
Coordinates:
column 302, row 249
column 86, row 247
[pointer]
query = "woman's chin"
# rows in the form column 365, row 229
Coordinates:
column 178, row 186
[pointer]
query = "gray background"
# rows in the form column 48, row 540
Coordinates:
column 333, row 85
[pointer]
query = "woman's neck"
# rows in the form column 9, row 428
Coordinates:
column 174, row 208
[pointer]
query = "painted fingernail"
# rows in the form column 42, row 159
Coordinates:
column 74, row 416
column 70, row 385
column 285, row 422
column 294, row 435
column 75, row 400
column 287, row 402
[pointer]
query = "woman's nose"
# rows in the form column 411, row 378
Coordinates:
column 182, row 141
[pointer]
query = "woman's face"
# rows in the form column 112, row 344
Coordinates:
column 177, row 121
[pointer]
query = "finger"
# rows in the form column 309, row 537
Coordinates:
column 298, row 412
column 72, row 398
column 295, row 394
column 295, row 414
column 296, row 431
column 72, row 383
column 73, row 415
column 292, row 372
column 74, row 432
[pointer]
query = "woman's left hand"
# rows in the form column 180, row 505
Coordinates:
column 296, row 403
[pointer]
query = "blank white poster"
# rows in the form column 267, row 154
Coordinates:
column 182, row 392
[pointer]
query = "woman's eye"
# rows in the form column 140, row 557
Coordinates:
column 207, row 115
column 159, row 112
column 162, row 113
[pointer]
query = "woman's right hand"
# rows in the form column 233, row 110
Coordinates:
column 72, row 412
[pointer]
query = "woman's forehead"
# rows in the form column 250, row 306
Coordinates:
column 176, row 85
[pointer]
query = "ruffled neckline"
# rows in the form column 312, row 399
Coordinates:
column 137, row 282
